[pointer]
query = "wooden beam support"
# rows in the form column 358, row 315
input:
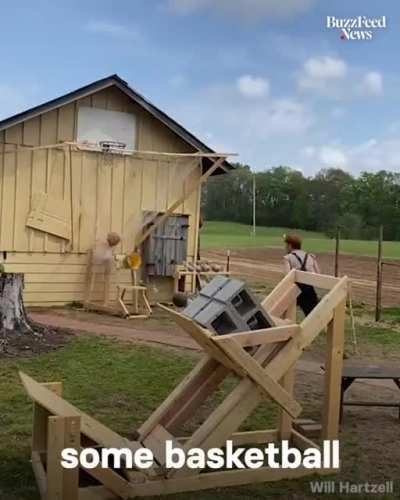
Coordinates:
column 204, row 339
column 280, row 289
column 333, row 374
column 40, row 474
column 285, row 301
column 159, row 220
column 90, row 427
column 195, row 399
column 260, row 337
column 220, row 479
column 323, row 281
column 179, row 396
column 302, row 442
column 288, row 381
column 270, row 387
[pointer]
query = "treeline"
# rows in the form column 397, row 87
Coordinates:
column 330, row 199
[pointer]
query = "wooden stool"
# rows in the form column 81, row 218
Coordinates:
column 138, row 293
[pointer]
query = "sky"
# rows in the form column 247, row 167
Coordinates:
column 266, row 79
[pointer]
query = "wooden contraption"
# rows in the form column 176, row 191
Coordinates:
column 263, row 362
column 200, row 272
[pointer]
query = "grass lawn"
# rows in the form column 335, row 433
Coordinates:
column 230, row 235
column 121, row 384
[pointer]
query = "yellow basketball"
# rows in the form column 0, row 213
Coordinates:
column 134, row 261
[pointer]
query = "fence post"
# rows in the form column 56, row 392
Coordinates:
column 378, row 307
column 337, row 247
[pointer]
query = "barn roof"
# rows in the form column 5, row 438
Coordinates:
column 109, row 81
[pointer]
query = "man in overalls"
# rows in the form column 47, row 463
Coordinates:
column 296, row 258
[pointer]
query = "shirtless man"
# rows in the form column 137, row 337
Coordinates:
column 101, row 257
column 296, row 258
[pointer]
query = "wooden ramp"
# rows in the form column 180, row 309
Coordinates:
column 263, row 362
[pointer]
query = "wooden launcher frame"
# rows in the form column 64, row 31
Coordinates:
column 264, row 362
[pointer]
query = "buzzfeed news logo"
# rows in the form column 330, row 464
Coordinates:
column 356, row 28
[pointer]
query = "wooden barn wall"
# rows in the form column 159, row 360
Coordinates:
column 103, row 197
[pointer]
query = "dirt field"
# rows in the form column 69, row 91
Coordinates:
column 265, row 265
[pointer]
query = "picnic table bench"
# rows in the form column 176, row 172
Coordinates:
column 370, row 372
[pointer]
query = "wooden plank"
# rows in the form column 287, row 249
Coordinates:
column 255, row 437
column 66, row 123
column 333, row 374
column 285, row 301
column 258, row 337
column 155, row 441
column 176, row 398
column 14, row 134
column 132, row 220
column 221, row 479
column 40, row 474
column 49, row 127
column 55, row 445
column 103, row 207
column 323, row 281
column 88, row 229
column 117, row 200
column 195, row 398
column 281, row 321
column 31, row 132
column 90, row 427
column 247, row 437
column 280, row 289
column 204, row 338
column 288, row 382
column 8, row 201
column 302, row 442
column 245, row 397
column 149, row 200
column 162, row 186
column 38, row 184
column 22, row 201
column 160, row 220
column 229, row 415
column 51, row 215
column 270, row 387
column 72, row 439
column 40, row 420
column 323, row 312
column 311, row 326
column 111, row 480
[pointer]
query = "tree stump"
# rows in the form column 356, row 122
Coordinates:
column 13, row 317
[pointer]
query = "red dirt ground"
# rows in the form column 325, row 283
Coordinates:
column 265, row 265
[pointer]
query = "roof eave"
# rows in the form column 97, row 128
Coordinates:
column 115, row 80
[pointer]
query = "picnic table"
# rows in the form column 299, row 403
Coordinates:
column 370, row 372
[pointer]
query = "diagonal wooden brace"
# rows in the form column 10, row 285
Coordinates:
column 256, row 372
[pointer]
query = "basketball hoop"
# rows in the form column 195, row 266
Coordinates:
column 109, row 149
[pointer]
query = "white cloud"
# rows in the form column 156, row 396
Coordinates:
column 369, row 155
column 332, row 156
column 251, row 86
column 262, row 131
column 372, row 83
column 111, row 29
column 248, row 9
column 319, row 73
column 281, row 117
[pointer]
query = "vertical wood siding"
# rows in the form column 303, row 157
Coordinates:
column 102, row 197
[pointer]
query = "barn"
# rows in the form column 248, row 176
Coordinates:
column 101, row 158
